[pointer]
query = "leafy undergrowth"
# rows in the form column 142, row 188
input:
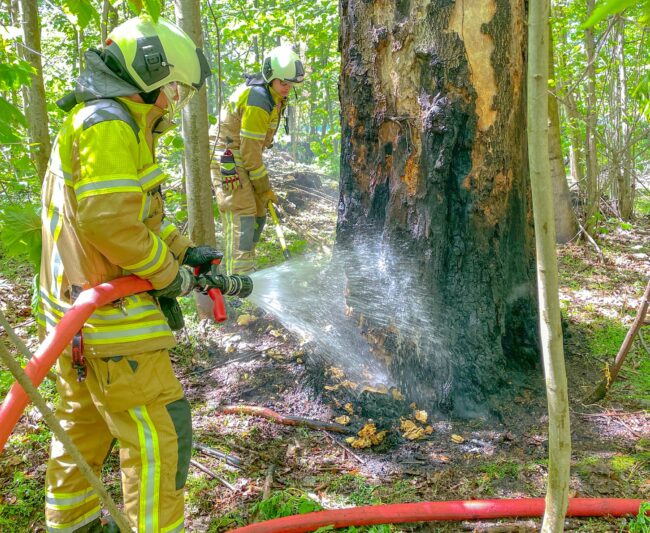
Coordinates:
column 253, row 360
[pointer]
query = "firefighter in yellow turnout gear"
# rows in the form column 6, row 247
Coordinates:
column 103, row 219
column 240, row 177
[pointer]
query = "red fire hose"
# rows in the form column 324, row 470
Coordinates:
column 399, row 513
column 39, row 365
column 89, row 300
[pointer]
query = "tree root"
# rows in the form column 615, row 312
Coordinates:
column 288, row 420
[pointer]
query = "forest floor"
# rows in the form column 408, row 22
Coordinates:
column 253, row 360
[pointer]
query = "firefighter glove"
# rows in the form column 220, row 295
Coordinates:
column 269, row 196
column 201, row 255
column 181, row 286
column 172, row 312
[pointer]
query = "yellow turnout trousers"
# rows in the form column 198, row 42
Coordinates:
column 243, row 216
column 138, row 401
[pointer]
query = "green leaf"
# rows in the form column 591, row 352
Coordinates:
column 607, row 8
column 10, row 118
column 136, row 5
column 14, row 75
column 153, row 8
column 21, row 232
column 80, row 12
column 307, row 506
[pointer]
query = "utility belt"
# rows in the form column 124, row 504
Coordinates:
column 229, row 176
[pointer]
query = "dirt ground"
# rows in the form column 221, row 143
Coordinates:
column 256, row 362
column 261, row 364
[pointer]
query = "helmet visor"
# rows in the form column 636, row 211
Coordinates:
column 299, row 73
column 177, row 94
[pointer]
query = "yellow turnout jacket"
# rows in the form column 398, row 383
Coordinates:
column 102, row 213
column 251, row 121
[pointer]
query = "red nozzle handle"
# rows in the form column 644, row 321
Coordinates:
column 219, row 306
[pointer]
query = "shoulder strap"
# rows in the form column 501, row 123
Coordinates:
column 108, row 109
column 260, row 96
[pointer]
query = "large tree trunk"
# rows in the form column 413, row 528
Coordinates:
column 559, row 434
column 433, row 167
column 566, row 226
column 195, row 137
column 35, row 103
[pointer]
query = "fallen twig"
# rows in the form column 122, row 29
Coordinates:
column 245, row 357
column 268, row 482
column 287, row 420
column 601, row 389
column 591, row 241
column 612, row 413
column 231, row 460
column 320, row 196
column 213, row 474
column 345, row 448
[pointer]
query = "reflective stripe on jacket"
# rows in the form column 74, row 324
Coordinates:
column 102, row 213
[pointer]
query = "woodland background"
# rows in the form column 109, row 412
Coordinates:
column 599, row 106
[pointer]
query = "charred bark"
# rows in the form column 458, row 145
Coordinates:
column 433, row 167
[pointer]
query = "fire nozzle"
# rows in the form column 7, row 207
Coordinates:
column 217, row 285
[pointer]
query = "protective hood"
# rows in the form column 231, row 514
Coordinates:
column 255, row 79
column 96, row 81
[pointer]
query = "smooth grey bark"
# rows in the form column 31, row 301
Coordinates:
column 195, row 136
column 591, row 149
column 566, row 226
column 557, row 492
column 109, row 19
column 198, row 186
column 621, row 161
column 35, row 105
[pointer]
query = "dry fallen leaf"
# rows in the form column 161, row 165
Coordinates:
column 348, row 407
column 349, row 384
column 413, row 406
column 379, row 389
column 336, row 372
column 368, row 436
column 331, row 387
column 457, row 439
column 276, row 333
column 244, row 320
column 397, row 395
column 275, row 354
column 411, row 431
column 421, row 416
column 361, row 442
column 344, row 420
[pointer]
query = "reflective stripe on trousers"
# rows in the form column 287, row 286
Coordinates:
column 138, row 401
